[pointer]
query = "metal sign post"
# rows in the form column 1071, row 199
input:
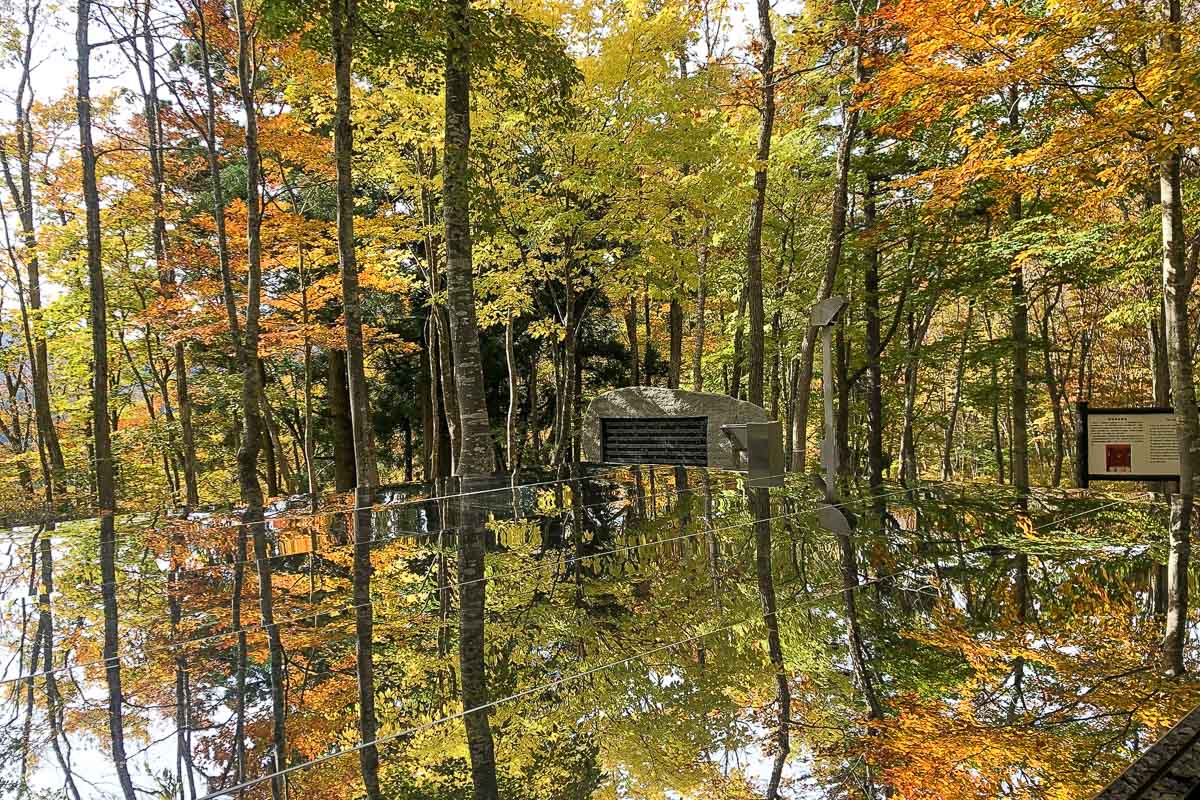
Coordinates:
column 824, row 316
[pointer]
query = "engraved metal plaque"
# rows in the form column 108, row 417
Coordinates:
column 681, row 441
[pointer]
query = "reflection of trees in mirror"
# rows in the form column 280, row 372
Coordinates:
column 615, row 641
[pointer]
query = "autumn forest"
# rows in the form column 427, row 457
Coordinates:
column 303, row 302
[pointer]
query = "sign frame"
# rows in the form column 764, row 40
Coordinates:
column 1083, row 473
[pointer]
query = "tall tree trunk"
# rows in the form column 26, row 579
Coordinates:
column 106, row 498
column 754, row 283
column 1020, row 335
column 343, row 19
column 251, row 391
column 837, row 237
column 230, row 301
column 166, row 272
column 477, row 451
column 1178, row 277
column 874, row 345
column 956, row 401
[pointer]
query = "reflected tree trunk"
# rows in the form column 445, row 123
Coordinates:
column 858, row 655
column 54, row 705
column 472, row 667
column 364, row 627
column 760, row 508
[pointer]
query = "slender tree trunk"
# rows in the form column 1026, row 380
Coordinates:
column 230, row 302
column 874, row 345
column 701, row 299
column 166, row 272
column 535, row 437
column 510, row 423
column 754, row 281
column 739, row 338
column 1178, row 277
column 760, row 504
column 676, row 330
column 428, row 429
column 1020, row 336
column 310, row 467
column 408, row 450
column 917, row 330
column 1160, row 369
column 956, row 401
column 647, row 378
column 997, row 438
column 570, row 367
column 343, row 20
column 54, row 708
column 106, row 498
column 837, row 236
column 1053, row 393
column 22, row 195
column 631, row 321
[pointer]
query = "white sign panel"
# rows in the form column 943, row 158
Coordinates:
column 1123, row 445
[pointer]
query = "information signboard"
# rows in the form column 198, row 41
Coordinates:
column 1127, row 444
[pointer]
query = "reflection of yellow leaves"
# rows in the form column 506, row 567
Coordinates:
column 1026, row 526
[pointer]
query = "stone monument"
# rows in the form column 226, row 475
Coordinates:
column 651, row 424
